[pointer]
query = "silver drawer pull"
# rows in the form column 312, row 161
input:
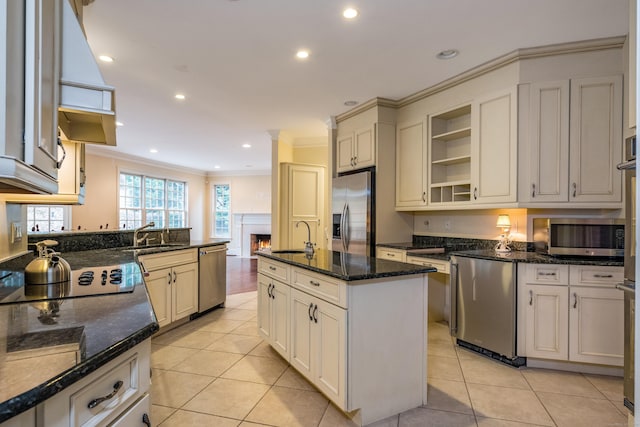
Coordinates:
column 392, row 255
column 95, row 402
column 546, row 274
column 272, row 268
column 603, row 276
column 314, row 283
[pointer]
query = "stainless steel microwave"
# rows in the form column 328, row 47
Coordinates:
column 579, row 236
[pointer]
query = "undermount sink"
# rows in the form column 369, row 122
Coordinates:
column 288, row 251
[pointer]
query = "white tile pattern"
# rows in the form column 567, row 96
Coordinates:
column 216, row 371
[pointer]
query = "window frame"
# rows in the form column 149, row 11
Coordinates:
column 166, row 211
column 214, row 211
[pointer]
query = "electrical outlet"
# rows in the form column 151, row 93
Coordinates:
column 16, row 232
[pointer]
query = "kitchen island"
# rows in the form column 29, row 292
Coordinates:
column 354, row 326
column 48, row 346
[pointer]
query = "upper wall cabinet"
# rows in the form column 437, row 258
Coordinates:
column 494, row 148
column 356, row 150
column 573, row 143
column 411, row 165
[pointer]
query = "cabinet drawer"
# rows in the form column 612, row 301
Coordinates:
column 168, row 259
column 549, row 274
column 442, row 266
column 392, row 254
column 120, row 383
column 135, row 414
column 595, row 275
column 320, row 286
column 274, row 269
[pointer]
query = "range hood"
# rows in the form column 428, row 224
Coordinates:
column 87, row 104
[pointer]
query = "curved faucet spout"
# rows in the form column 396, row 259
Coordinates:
column 308, row 245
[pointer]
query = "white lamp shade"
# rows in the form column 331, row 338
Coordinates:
column 503, row 221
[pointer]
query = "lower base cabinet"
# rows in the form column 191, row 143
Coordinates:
column 318, row 343
column 349, row 339
column 571, row 313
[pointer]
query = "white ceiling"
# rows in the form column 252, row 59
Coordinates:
column 235, row 62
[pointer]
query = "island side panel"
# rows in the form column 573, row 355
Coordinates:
column 387, row 346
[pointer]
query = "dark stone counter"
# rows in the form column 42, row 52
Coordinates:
column 41, row 355
column 346, row 266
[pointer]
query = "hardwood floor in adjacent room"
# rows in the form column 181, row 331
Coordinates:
column 241, row 274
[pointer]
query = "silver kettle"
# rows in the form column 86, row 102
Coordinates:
column 48, row 268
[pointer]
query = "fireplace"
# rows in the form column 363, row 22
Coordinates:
column 260, row 241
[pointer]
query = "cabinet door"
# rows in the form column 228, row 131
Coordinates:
column 264, row 306
column 304, row 198
column 159, row 286
column 344, row 152
column 42, row 75
column 330, row 354
column 594, row 141
column 546, row 321
column 411, row 165
column 494, row 148
column 185, row 290
column 548, row 151
column 301, row 329
column 364, row 149
column 596, row 325
column 280, row 297
column 25, row 419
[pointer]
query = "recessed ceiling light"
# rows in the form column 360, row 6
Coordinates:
column 447, row 54
column 153, row 150
column 216, row 167
column 119, row 124
column 246, row 145
column 350, row 13
column 350, row 103
column 302, row 54
column 180, row 96
column 105, row 58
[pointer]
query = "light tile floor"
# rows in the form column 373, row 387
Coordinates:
column 217, row 371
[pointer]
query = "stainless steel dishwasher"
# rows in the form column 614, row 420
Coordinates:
column 212, row 282
column 483, row 307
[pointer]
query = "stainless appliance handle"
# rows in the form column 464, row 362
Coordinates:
column 346, row 227
column 631, row 164
column 212, row 251
column 626, row 288
column 453, row 287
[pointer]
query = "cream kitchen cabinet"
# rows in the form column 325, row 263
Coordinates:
column 111, row 395
column 172, row 282
column 356, row 150
column 472, row 158
column 335, row 330
column 573, row 142
column 571, row 313
column 411, row 165
column 274, row 298
column 26, row 419
column 494, row 148
column 319, row 345
column 391, row 253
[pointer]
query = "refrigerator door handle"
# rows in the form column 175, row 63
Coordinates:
column 453, row 287
column 346, row 227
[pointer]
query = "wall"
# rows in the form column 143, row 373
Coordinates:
column 101, row 201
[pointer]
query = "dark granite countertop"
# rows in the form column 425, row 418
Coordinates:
column 42, row 355
column 348, row 267
column 514, row 256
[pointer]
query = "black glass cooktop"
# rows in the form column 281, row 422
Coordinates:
column 91, row 281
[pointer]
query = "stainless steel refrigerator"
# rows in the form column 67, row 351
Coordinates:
column 353, row 215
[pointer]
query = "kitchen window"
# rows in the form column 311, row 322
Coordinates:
column 48, row 218
column 144, row 199
column 221, row 210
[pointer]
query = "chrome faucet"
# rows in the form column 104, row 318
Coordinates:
column 137, row 241
column 308, row 246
